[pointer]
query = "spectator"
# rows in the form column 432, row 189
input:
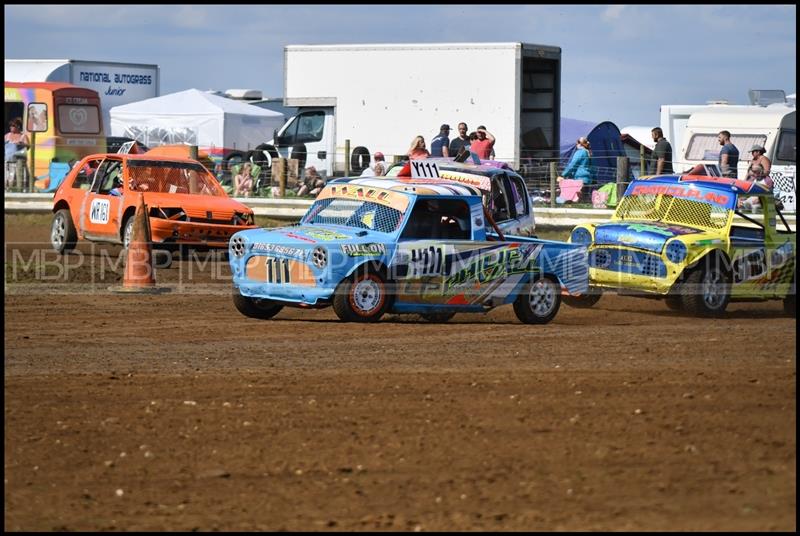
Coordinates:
column 759, row 158
column 15, row 139
column 461, row 141
column 483, row 146
column 661, row 163
column 243, row 181
column 417, row 151
column 312, row 183
column 580, row 165
column 440, row 145
column 377, row 170
column 728, row 155
column 369, row 171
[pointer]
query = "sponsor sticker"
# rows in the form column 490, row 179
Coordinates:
column 364, row 250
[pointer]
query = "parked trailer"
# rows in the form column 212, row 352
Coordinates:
column 514, row 89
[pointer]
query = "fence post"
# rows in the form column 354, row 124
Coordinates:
column 622, row 175
column 346, row 158
column 193, row 152
column 282, row 177
column 553, row 176
column 641, row 160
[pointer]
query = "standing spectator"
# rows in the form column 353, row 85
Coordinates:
column 760, row 159
column 440, row 145
column 580, row 165
column 369, row 171
column 661, row 161
column 243, row 181
column 377, row 170
column 484, row 145
column 379, row 159
column 15, row 137
column 417, row 151
column 461, row 141
column 728, row 155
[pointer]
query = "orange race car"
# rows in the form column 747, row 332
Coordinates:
column 186, row 204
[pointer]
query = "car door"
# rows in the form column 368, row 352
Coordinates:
column 101, row 210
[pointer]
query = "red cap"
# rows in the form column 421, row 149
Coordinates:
column 379, row 155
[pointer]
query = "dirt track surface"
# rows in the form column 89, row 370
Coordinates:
column 174, row 412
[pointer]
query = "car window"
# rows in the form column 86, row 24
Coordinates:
column 499, row 204
column 108, row 176
column 438, row 219
column 85, row 177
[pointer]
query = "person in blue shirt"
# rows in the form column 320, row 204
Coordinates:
column 580, row 165
column 440, row 145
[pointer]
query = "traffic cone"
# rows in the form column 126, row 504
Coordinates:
column 139, row 272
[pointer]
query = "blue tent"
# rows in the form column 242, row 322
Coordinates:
column 606, row 142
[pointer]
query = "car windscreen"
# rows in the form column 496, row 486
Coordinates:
column 354, row 213
column 672, row 210
column 172, row 177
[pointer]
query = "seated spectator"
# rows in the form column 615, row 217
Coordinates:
column 243, row 181
column 312, row 183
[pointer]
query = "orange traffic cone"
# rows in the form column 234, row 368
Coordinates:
column 139, row 272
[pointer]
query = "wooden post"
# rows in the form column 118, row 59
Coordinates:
column 279, row 173
column 622, row 175
column 642, row 167
column 292, row 173
column 346, row 158
column 193, row 152
column 282, row 178
column 553, row 183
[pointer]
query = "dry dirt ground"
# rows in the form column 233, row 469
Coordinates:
column 174, row 412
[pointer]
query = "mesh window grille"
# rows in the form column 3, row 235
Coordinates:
column 172, row 177
column 675, row 210
column 352, row 213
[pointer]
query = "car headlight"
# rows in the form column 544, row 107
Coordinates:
column 580, row 235
column 237, row 246
column 319, row 257
column 676, row 251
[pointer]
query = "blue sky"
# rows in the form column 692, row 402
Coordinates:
column 619, row 63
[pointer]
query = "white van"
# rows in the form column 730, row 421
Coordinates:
column 773, row 127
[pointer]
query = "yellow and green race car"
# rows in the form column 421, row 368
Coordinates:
column 698, row 242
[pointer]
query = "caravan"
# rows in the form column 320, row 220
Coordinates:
column 773, row 127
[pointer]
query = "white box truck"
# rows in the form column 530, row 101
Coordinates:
column 116, row 83
column 380, row 96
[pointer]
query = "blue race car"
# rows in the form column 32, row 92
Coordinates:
column 426, row 246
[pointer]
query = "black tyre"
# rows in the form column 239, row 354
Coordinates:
column 437, row 318
column 63, row 236
column 359, row 159
column 706, row 291
column 233, row 159
column 255, row 307
column 363, row 297
column 539, row 301
column 584, row 301
column 127, row 232
column 300, row 153
column 674, row 302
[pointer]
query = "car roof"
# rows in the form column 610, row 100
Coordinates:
column 486, row 167
column 724, row 184
column 427, row 187
column 145, row 156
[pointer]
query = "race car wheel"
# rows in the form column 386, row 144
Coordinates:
column 128, row 232
column 674, row 302
column 63, row 236
column 437, row 318
column 255, row 307
column 584, row 301
column 539, row 301
column 706, row 291
column 359, row 160
column 361, row 298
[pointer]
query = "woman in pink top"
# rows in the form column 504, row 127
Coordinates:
column 417, row 151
